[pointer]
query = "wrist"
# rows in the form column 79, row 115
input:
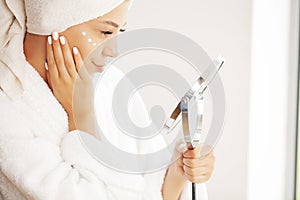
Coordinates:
column 86, row 123
column 71, row 122
column 175, row 171
column 173, row 184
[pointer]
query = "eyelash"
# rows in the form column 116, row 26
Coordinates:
column 110, row 32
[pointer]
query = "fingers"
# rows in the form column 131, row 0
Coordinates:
column 63, row 62
column 77, row 58
column 181, row 147
column 198, row 162
column 50, row 59
column 197, row 179
column 193, row 153
column 67, row 55
column 180, row 170
column 199, row 171
column 81, row 70
column 58, row 56
column 179, row 161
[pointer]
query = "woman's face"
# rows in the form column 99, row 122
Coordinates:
column 87, row 36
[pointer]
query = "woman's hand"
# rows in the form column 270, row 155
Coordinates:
column 190, row 166
column 70, row 83
column 62, row 71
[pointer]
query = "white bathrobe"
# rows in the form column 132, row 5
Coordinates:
column 39, row 157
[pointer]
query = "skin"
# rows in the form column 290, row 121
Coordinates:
column 64, row 62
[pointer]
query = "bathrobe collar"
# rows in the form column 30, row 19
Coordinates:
column 12, row 72
column 12, row 58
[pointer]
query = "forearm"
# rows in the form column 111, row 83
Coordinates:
column 85, row 123
column 72, row 125
column 173, row 184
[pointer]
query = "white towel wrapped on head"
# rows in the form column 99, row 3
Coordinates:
column 45, row 17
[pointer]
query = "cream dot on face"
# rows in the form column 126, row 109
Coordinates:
column 94, row 44
column 89, row 40
column 83, row 33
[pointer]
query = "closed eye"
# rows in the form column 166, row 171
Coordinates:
column 110, row 32
column 106, row 32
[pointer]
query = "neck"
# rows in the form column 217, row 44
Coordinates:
column 35, row 52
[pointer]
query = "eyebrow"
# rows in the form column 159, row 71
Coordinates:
column 112, row 23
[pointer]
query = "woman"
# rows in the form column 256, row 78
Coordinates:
column 41, row 156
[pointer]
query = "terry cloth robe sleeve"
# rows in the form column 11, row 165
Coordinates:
column 36, row 167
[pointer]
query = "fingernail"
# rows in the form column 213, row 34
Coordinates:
column 181, row 147
column 46, row 66
column 75, row 50
column 49, row 40
column 62, row 40
column 55, row 35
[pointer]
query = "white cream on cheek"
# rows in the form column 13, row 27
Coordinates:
column 87, row 37
column 89, row 40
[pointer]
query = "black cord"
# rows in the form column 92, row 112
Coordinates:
column 190, row 147
column 193, row 191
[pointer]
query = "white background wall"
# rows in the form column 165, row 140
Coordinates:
column 220, row 27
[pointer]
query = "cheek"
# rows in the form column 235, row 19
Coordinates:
column 85, row 41
column 84, row 48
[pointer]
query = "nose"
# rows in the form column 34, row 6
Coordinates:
column 110, row 48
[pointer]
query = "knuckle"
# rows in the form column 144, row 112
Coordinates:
column 192, row 179
column 179, row 168
column 179, row 161
column 190, row 171
column 198, row 180
column 192, row 164
column 185, row 168
column 194, row 153
column 194, row 172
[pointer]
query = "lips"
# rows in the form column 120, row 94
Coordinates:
column 98, row 65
